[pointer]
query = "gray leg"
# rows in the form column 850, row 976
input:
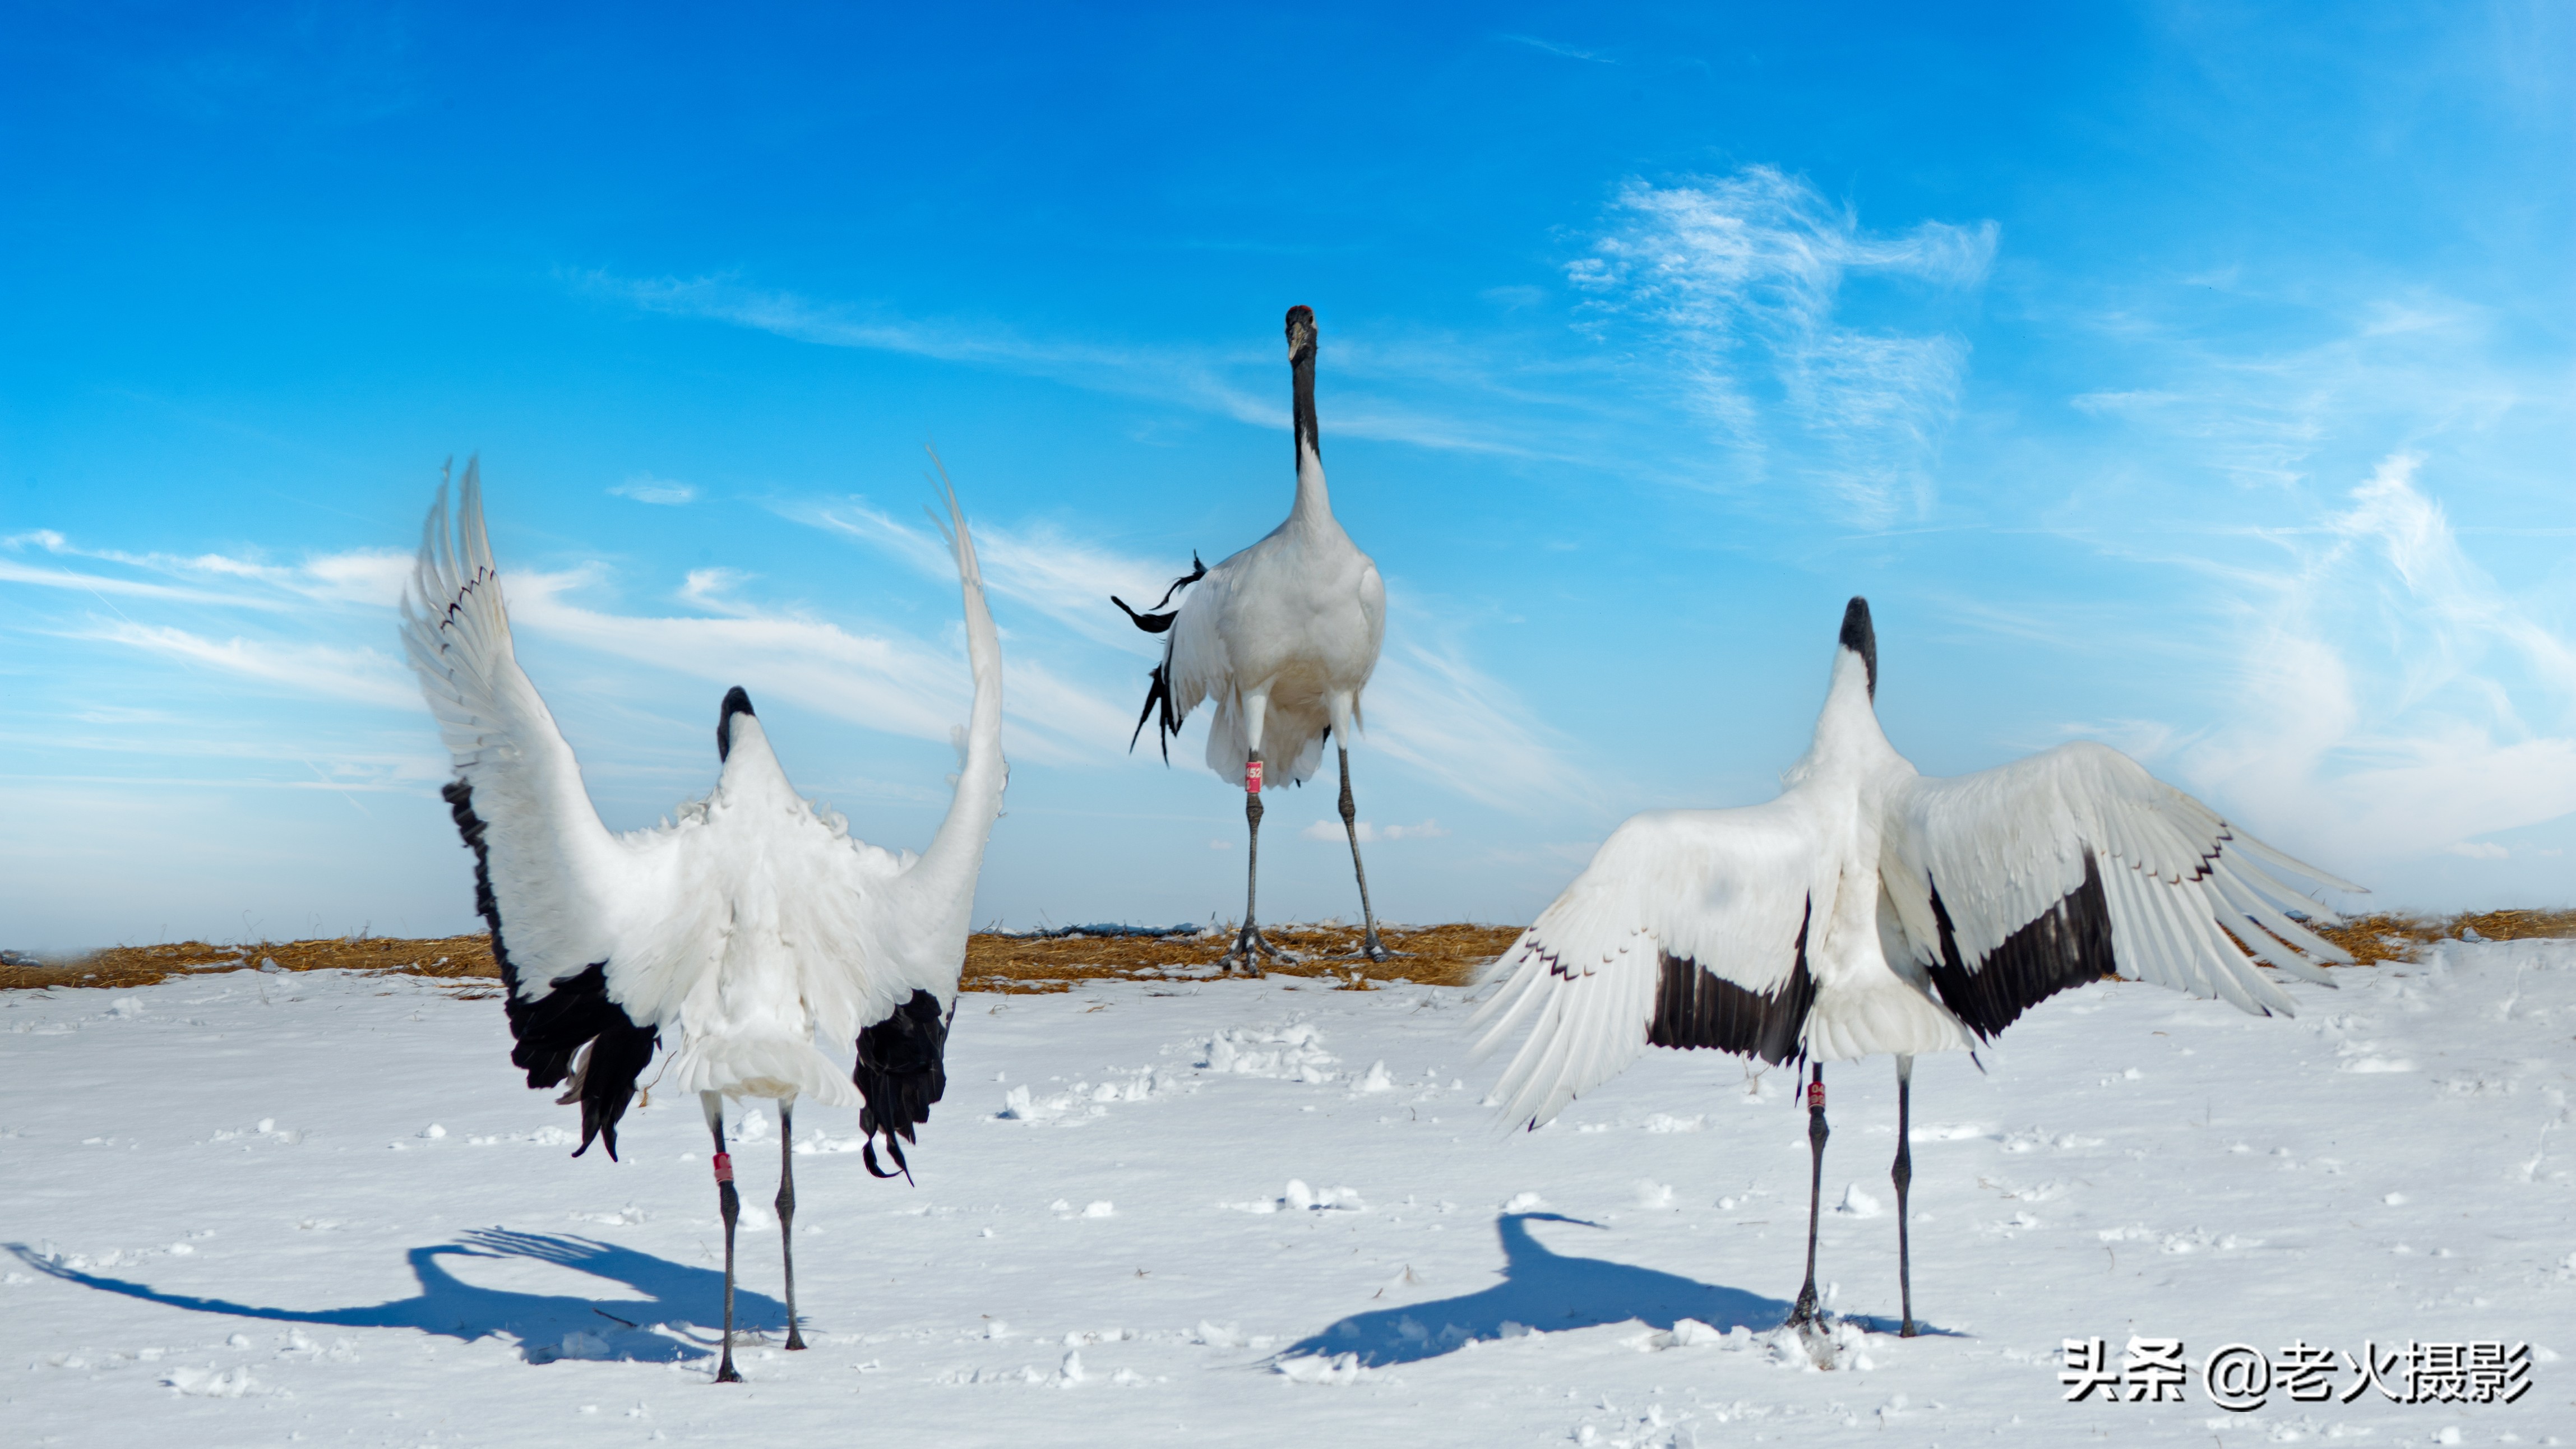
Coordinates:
column 1806, row 1312
column 1371, row 947
column 729, row 1205
column 1903, row 1172
column 1249, row 939
column 787, row 1213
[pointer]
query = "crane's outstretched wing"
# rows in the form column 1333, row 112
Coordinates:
column 893, row 983
column 563, row 896
column 1195, row 664
column 1688, row 929
column 2017, row 883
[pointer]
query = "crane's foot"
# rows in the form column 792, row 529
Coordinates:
column 1249, row 947
column 1372, row 949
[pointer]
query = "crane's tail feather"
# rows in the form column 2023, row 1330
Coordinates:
column 1150, row 623
column 1158, row 692
column 901, row 1071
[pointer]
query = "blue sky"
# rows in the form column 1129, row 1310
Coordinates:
column 2194, row 378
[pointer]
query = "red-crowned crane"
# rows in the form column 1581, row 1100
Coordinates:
column 1869, row 909
column 730, row 935
column 1283, row 637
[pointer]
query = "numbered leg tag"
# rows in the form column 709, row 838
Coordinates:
column 724, row 1167
column 1252, row 778
column 1816, row 1096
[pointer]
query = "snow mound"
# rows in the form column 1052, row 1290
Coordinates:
column 1293, row 1052
column 206, row 1383
column 1340, row 1368
column 1298, row 1197
column 1083, row 1100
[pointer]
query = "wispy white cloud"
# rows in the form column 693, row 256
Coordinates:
column 645, row 488
column 1247, row 384
column 18, row 573
column 1199, row 378
column 360, row 676
column 890, row 682
column 1431, row 708
column 709, row 589
column 1556, row 48
column 1463, row 728
column 1740, row 279
column 1369, row 834
column 356, row 576
column 2398, row 703
column 1067, row 579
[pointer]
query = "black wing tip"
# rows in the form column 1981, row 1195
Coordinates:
column 459, row 795
column 1861, row 637
column 901, row 1072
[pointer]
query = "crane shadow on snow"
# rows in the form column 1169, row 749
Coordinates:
column 545, row 1326
column 1541, row 1291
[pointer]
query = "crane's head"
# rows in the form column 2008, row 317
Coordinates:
column 1858, row 637
column 735, row 702
column 1301, row 334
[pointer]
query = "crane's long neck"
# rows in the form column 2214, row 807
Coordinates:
column 1314, row 501
column 947, row 869
column 1849, row 742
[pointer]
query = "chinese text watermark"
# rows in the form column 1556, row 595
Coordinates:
column 2241, row 1377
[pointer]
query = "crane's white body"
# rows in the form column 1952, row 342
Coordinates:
column 1837, row 878
column 1282, row 636
column 744, row 926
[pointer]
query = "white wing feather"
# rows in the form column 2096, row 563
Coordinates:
column 907, row 917
column 2005, row 846
column 571, row 892
column 861, row 927
column 1728, row 889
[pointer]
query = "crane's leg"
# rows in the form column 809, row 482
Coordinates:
column 1249, row 939
column 729, row 1206
column 787, row 1212
column 1370, row 947
column 1903, row 1172
column 1806, row 1311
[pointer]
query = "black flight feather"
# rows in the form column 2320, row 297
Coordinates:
column 1695, row 1007
column 551, row 1030
column 2067, row 946
column 901, row 1071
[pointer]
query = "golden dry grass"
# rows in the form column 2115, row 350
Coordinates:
column 2396, row 937
column 119, row 966
column 1435, row 955
column 1438, row 955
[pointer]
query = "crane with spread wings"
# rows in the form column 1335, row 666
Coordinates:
column 731, row 935
column 1871, row 909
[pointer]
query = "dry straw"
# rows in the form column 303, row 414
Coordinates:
column 1435, row 955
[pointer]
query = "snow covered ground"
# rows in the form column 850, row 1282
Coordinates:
column 251, row 1208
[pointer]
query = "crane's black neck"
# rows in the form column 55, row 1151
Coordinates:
column 735, row 702
column 1861, row 638
column 1301, row 367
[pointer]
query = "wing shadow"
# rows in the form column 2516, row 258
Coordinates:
column 644, row 1330
column 1541, row 1291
